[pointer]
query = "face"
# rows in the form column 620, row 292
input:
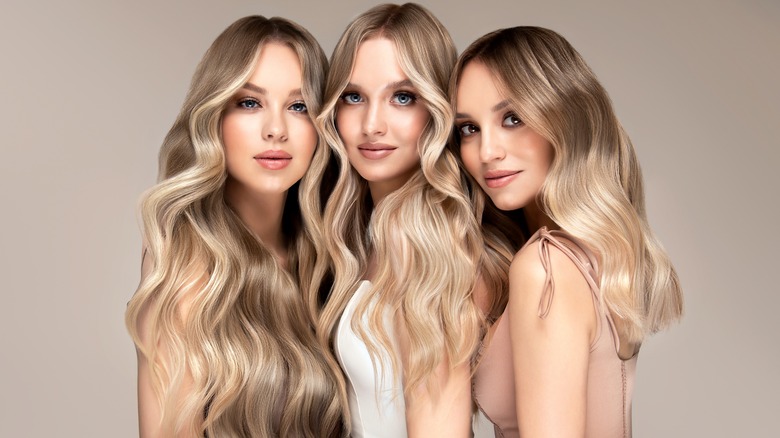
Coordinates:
column 268, row 136
column 508, row 159
column 380, row 118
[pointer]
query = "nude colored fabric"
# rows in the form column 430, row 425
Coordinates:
column 610, row 379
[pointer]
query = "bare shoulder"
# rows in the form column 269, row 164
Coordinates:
column 527, row 266
column 537, row 282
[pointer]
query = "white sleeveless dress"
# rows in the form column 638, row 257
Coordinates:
column 377, row 410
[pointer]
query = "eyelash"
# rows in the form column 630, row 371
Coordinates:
column 345, row 97
column 512, row 125
column 461, row 134
column 242, row 103
column 304, row 110
column 474, row 128
column 412, row 97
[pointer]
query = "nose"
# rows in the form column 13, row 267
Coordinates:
column 274, row 127
column 374, row 122
column 491, row 148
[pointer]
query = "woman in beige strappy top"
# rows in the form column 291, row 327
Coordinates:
column 537, row 132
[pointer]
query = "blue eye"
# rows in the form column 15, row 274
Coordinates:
column 248, row 103
column 298, row 107
column 351, row 98
column 404, row 98
column 511, row 120
column 467, row 129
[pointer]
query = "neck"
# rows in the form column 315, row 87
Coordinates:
column 536, row 219
column 379, row 192
column 261, row 213
column 380, row 189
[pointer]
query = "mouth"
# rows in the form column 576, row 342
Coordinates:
column 273, row 160
column 375, row 151
column 499, row 178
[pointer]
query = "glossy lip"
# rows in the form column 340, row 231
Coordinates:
column 499, row 178
column 375, row 151
column 273, row 159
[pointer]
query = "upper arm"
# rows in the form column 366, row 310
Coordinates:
column 149, row 409
column 550, row 354
column 443, row 408
column 149, row 403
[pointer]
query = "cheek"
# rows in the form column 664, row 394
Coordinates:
column 231, row 136
column 303, row 133
column 237, row 132
column 347, row 123
column 412, row 123
column 470, row 156
column 309, row 143
column 543, row 155
column 229, row 133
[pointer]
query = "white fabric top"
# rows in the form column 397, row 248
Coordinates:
column 377, row 408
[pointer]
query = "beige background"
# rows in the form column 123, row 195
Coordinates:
column 89, row 89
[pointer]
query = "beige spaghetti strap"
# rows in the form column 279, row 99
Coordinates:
column 546, row 238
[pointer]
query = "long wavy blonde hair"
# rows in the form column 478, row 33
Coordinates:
column 425, row 236
column 594, row 186
column 247, row 341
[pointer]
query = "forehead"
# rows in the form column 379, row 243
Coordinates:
column 478, row 86
column 376, row 61
column 277, row 65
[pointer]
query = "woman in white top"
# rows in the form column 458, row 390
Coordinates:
column 404, row 245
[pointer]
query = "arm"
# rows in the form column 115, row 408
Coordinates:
column 149, row 410
column 550, row 355
column 444, row 411
column 149, row 407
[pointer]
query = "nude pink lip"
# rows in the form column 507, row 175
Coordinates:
column 273, row 160
column 375, row 151
column 499, row 178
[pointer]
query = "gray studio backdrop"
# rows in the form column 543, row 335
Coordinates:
column 89, row 89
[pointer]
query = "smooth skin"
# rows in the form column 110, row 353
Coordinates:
column 510, row 162
column 266, row 118
column 379, row 109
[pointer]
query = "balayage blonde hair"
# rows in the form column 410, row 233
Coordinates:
column 425, row 235
column 246, row 341
column 594, row 186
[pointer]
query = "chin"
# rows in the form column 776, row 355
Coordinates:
column 507, row 203
column 273, row 189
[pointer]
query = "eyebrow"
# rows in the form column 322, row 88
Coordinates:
column 497, row 107
column 500, row 105
column 260, row 90
column 391, row 86
column 399, row 84
column 252, row 87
